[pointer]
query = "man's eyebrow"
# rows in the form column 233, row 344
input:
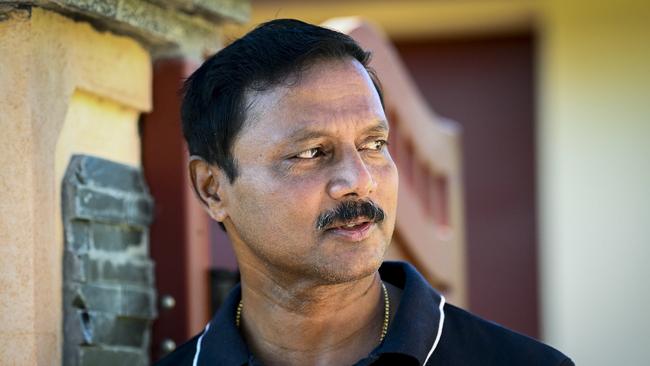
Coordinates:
column 307, row 134
column 380, row 127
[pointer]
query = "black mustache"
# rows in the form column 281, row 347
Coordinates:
column 348, row 211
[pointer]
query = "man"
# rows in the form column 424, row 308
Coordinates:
column 287, row 133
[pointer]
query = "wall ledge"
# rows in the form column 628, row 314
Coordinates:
column 190, row 28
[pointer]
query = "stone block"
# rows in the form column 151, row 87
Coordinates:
column 74, row 331
column 77, row 235
column 96, row 172
column 129, row 332
column 75, row 266
column 102, row 298
column 114, row 238
column 114, row 330
column 102, row 356
column 138, row 303
column 139, row 210
column 104, row 329
column 119, row 300
column 106, row 271
column 91, row 204
column 111, row 206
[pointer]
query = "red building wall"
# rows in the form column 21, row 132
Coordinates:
column 487, row 86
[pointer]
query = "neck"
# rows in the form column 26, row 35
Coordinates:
column 306, row 323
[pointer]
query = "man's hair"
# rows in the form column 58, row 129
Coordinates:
column 213, row 110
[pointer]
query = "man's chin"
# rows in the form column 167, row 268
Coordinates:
column 346, row 262
column 348, row 271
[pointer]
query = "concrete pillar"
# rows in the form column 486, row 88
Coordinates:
column 74, row 78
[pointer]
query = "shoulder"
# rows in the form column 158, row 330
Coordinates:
column 469, row 340
column 183, row 355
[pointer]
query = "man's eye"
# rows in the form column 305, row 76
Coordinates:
column 375, row 145
column 310, row 154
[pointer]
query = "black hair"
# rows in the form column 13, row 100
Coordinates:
column 213, row 109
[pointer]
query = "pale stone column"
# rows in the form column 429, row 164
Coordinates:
column 72, row 86
column 54, row 69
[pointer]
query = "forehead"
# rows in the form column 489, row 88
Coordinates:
column 331, row 95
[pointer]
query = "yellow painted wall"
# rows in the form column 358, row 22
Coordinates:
column 594, row 141
column 64, row 88
column 97, row 126
column 409, row 19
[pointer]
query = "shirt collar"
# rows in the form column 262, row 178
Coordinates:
column 222, row 343
column 417, row 325
column 414, row 331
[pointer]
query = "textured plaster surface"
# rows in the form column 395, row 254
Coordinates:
column 176, row 27
column 46, row 59
column 17, row 313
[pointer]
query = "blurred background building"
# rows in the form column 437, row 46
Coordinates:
column 521, row 130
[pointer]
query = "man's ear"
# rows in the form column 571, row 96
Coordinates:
column 207, row 183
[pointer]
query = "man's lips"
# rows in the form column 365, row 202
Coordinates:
column 352, row 231
column 348, row 224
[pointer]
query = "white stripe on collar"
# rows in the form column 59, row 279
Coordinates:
column 198, row 346
column 440, row 323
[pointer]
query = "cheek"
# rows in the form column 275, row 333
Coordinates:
column 275, row 218
column 387, row 180
column 386, row 195
column 278, row 204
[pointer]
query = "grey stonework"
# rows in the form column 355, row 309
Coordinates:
column 109, row 300
column 166, row 27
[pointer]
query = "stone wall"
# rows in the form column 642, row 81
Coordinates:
column 109, row 297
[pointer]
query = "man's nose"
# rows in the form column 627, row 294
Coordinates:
column 351, row 178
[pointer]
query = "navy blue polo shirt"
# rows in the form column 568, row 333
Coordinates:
column 425, row 331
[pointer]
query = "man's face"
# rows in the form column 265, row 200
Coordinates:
column 304, row 150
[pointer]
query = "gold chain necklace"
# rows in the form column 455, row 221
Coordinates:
column 384, row 326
